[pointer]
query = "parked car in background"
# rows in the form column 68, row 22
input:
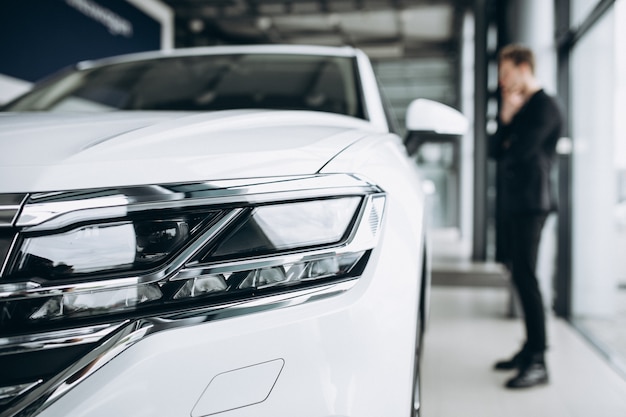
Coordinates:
column 227, row 230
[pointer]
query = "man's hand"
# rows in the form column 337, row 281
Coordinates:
column 512, row 102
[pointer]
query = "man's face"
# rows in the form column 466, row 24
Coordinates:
column 510, row 76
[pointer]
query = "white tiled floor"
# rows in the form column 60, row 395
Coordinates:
column 469, row 330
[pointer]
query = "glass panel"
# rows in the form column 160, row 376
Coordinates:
column 438, row 163
column 447, row 164
column 580, row 9
column 206, row 82
column 280, row 227
column 83, row 250
column 99, row 248
column 599, row 178
column 435, row 78
column 402, row 81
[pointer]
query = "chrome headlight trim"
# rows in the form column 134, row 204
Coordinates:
column 35, row 289
column 49, row 211
column 56, row 339
column 181, row 265
column 53, row 211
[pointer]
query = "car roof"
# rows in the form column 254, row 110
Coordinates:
column 338, row 51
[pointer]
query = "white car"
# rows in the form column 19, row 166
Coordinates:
column 230, row 231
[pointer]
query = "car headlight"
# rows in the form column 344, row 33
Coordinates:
column 98, row 256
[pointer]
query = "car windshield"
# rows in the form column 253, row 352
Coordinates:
column 203, row 83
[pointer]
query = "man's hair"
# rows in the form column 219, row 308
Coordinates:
column 518, row 54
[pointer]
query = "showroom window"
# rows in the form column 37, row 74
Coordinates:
column 598, row 130
column 580, row 9
column 433, row 78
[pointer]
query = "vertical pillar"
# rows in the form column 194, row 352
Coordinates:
column 563, row 278
column 479, row 237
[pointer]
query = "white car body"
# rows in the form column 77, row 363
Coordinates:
column 345, row 348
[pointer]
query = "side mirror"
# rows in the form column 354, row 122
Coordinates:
column 430, row 121
column 430, row 116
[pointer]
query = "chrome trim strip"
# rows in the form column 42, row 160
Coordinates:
column 200, row 243
column 71, row 216
column 56, row 339
column 51, row 211
column 9, row 392
column 37, row 213
column 41, row 397
column 129, row 333
column 258, row 263
column 35, row 290
column 245, row 307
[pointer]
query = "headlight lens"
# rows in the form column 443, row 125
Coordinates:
column 168, row 260
column 97, row 302
column 283, row 275
column 102, row 248
column 83, row 250
column 288, row 226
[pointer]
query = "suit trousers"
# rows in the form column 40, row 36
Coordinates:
column 524, row 235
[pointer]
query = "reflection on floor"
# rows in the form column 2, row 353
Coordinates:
column 609, row 334
column 469, row 330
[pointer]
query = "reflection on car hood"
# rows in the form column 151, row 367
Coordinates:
column 48, row 151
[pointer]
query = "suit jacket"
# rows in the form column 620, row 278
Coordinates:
column 525, row 150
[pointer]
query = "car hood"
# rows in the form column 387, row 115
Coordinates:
column 53, row 151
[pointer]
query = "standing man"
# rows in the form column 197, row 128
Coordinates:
column 525, row 149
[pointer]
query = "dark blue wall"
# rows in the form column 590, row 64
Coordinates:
column 38, row 37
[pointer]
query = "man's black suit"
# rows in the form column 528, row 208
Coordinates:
column 525, row 150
